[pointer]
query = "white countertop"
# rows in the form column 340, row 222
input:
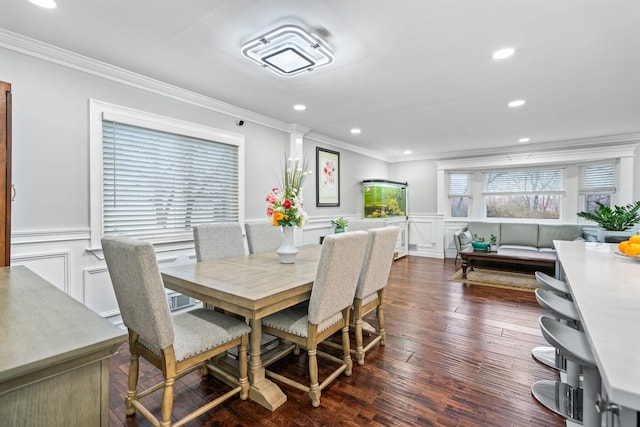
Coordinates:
column 606, row 288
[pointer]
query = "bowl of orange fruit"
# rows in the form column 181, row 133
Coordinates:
column 631, row 247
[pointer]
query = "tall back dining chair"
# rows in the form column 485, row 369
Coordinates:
column 262, row 237
column 381, row 245
column 327, row 312
column 364, row 224
column 176, row 345
column 218, row 241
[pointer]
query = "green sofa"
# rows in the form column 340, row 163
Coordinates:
column 517, row 236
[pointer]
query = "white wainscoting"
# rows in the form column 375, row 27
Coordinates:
column 52, row 266
column 98, row 293
column 64, row 257
column 425, row 235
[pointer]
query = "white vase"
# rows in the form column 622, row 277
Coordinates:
column 287, row 251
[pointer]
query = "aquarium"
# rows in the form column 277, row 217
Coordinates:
column 384, row 199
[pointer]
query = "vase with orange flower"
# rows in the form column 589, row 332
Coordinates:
column 285, row 206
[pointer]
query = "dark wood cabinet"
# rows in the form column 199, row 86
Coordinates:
column 5, row 174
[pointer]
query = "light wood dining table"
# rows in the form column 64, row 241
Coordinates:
column 252, row 286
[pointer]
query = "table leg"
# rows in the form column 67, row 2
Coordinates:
column 262, row 390
column 465, row 263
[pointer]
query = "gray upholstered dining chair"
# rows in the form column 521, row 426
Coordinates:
column 381, row 245
column 262, row 237
column 364, row 224
column 327, row 312
column 176, row 345
column 217, row 241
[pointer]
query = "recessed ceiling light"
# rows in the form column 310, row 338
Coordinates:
column 524, row 140
column 288, row 50
column 355, row 131
column 407, row 151
column 503, row 53
column 517, row 103
column 47, row 4
column 299, row 107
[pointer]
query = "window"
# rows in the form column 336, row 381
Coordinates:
column 524, row 193
column 597, row 184
column 159, row 176
column 459, row 194
column 564, row 196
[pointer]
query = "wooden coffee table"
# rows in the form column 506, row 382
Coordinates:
column 508, row 256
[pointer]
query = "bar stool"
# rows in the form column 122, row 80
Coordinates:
column 574, row 403
column 559, row 306
column 547, row 355
column 566, row 311
column 552, row 283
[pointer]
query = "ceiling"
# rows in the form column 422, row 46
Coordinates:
column 412, row 74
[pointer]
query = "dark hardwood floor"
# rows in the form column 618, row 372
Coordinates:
column 455, row 355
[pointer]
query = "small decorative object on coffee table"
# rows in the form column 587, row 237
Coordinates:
column 494, row 243
column 479, row 243
column 481, row 246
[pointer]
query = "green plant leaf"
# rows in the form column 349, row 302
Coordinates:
column 619, row 218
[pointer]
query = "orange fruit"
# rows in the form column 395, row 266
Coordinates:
column 622, row 246
column 635, row 238
column 633, row 249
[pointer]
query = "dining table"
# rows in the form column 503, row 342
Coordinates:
column 252, row 286
column 605, row 286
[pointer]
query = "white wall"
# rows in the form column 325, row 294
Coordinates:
column 51, row 211
column 422, row 189
column 354, row 168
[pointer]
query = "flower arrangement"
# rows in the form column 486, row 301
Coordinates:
column 285, row 203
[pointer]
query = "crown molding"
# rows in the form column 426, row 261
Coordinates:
column 323, row 139
column 66, row 58
column 595, row 141
column 37, row 49
column 568, row 154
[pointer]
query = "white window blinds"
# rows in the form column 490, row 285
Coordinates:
column 459, row 185
column 524, row 181
column 597, row 179
column 157, row 182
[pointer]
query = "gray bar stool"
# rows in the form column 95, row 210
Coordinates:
column 547, row 355
column 561, row 307
column 566, row 311
column 574, row 403
column 552, row 283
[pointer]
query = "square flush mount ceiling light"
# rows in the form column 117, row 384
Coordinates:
column 288, row 50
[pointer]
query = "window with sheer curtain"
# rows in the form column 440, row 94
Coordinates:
column 524, row 193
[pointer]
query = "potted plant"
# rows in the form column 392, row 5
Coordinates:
column 493, row 240
column 339, row 225
column 616, row 220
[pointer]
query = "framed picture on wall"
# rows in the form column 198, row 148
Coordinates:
column 327, row 177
